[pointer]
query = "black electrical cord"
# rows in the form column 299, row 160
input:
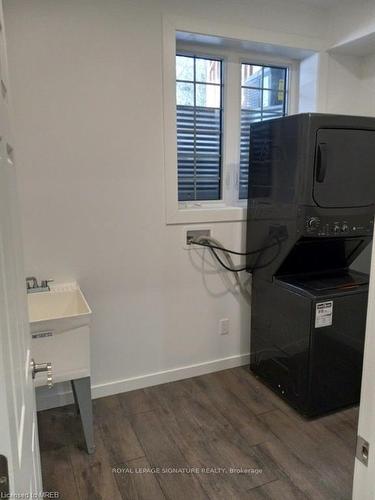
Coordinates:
column 265, row 264
column 253, row 252
column 239, row 269
column 235, row 270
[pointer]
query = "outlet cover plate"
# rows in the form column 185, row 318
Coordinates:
column 195, row 233
column 224, row 326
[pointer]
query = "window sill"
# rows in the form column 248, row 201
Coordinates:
column 196, row 215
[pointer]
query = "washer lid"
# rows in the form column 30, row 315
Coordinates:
column 344, row 280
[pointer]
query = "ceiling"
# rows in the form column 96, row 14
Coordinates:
column 330, row 3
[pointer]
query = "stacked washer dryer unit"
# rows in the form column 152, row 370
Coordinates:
column 311, row 208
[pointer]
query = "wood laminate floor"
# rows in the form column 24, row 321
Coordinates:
column 218, row 436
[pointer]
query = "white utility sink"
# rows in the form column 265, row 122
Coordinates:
column 63, row 307
column 60, row 332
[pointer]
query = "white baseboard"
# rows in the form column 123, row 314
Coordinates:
column 62, row 396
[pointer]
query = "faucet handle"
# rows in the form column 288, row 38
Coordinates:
column 31, row 282
column 45, row 284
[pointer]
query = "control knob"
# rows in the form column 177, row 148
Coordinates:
column 313, row 223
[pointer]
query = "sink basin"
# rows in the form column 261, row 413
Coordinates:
column 60, row 332
column 64, row 307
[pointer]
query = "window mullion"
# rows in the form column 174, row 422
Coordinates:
column 231, row 130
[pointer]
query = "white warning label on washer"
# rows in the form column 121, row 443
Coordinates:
column 323, row 314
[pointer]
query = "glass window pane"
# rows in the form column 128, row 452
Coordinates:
column 184, row 68
column 185, row 94
column 207, row 165
column 185, row 142
column 274, row 78
column 199, row 128
column 251, row 75
column 209, row 120
column 207, row 70
column 263, row 97
column 186, row 190
column 208, row 95
column 273, row 102
column 251, row 99
column 208, row 188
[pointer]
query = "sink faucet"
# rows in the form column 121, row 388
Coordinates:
column 32, row 285
column 31, row 282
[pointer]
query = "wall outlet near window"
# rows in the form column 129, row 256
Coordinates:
column 191, row 234
column 224, row 326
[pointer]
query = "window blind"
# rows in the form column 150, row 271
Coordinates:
column 199, row 128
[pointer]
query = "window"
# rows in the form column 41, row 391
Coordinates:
column 199, row 100
column 206, row 95
column 199, row 127
column 263, row 96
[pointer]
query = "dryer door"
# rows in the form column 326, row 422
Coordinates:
column 344, row 173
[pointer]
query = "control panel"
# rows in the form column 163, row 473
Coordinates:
column 338, row 226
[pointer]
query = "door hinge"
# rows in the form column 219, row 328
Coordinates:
column 362, row 450
column 4, row 477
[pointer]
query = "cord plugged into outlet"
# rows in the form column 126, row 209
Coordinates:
column 192, row 234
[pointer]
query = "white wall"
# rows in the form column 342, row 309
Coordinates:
column 350, row 85
column 87, row 87
column 352, row 20
column 308, row 84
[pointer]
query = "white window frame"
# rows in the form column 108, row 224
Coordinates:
column 230, row 207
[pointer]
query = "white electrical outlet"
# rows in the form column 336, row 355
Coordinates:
column 192, row 231
column 195, row 233
column 224, row 326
